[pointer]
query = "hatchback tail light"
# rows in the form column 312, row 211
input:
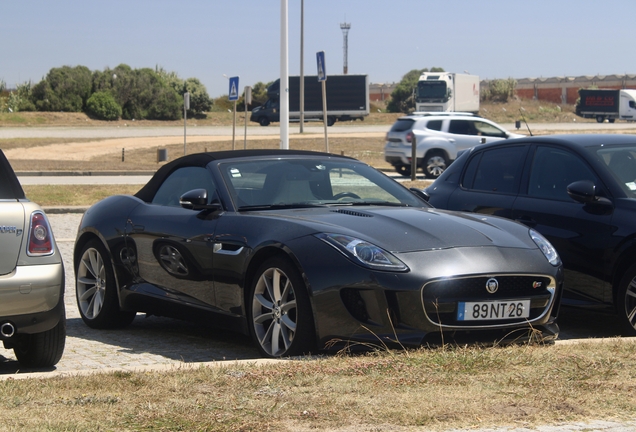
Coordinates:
column 409, row 137
column 40, row 238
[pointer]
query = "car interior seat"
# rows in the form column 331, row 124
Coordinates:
column 623, row 165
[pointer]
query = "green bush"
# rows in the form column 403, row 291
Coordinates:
column 102, row 106
column 499, row 90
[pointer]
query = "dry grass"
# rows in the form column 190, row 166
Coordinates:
column 427, row 389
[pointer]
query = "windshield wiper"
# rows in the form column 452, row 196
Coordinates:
column 279, row 206
column 378, row 203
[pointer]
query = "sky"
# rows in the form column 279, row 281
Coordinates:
column 207, row 39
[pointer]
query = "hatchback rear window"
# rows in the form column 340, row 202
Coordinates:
column 402, row 125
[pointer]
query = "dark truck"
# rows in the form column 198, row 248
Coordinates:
column 607, row 104
column 347, row 99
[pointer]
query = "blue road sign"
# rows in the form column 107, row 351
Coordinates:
column 234, row 91
column 322, row 71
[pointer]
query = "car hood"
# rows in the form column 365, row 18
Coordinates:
column 402, row 229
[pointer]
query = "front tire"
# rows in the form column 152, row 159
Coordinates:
column 41, row 350
column 626, row 301
column 263, row 121
column 96, row 290
column 279, row 311
column 435, row 163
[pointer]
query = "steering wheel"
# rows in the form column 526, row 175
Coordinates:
column 345, row 195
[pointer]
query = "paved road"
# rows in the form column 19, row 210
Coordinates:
column 136, row 131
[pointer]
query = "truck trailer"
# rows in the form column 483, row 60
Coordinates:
column 446, row 91
column 607, row 104
column 347, row 99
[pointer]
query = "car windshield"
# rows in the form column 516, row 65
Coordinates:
column 621, row 161
column 431, row 89
column 280, row 183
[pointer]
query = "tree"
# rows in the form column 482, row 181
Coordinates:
column 402, row 97
column 200, row 101
column 64, row 89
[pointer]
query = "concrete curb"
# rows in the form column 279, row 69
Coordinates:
column 150, row 368
column 81, row 173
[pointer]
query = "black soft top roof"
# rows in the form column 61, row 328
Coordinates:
column 148, row 192
column 10, row 187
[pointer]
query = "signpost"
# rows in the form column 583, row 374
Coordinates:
column 247, row 101
column 322, row 77
column 186, row 107
column 233, row 95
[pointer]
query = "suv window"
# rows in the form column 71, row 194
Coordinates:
column 486, row 129
column 553, row 170
column 496, row 170
column 402, row 125
column 435, row 125
column 462, row 127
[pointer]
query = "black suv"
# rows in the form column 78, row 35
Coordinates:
column 579, row 191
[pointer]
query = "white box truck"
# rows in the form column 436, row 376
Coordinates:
column 607, row 104
column 446, row 91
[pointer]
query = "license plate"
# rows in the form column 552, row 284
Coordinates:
column 493, row 310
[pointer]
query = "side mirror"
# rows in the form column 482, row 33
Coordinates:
column 420, row 193
column 197, row 199
column 584, row 191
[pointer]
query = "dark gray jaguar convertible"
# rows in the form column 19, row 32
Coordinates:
column 301, row 249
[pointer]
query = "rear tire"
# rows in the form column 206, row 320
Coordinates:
column 44, row 349
column 96, row 290
column 331, row 121
column 600, row 119
column 434, row 164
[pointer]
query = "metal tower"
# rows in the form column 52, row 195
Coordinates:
column 345, row 33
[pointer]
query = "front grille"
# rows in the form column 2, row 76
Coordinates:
column 440, row 298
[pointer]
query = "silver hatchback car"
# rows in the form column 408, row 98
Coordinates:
column 439, row 136
column 32, row 314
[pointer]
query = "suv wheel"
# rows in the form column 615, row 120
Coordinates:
column 435, row 163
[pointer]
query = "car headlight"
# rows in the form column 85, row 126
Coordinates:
column 546, row 247
column 363, row 252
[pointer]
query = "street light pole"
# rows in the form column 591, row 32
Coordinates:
column 302, row 73
column 284, row 78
